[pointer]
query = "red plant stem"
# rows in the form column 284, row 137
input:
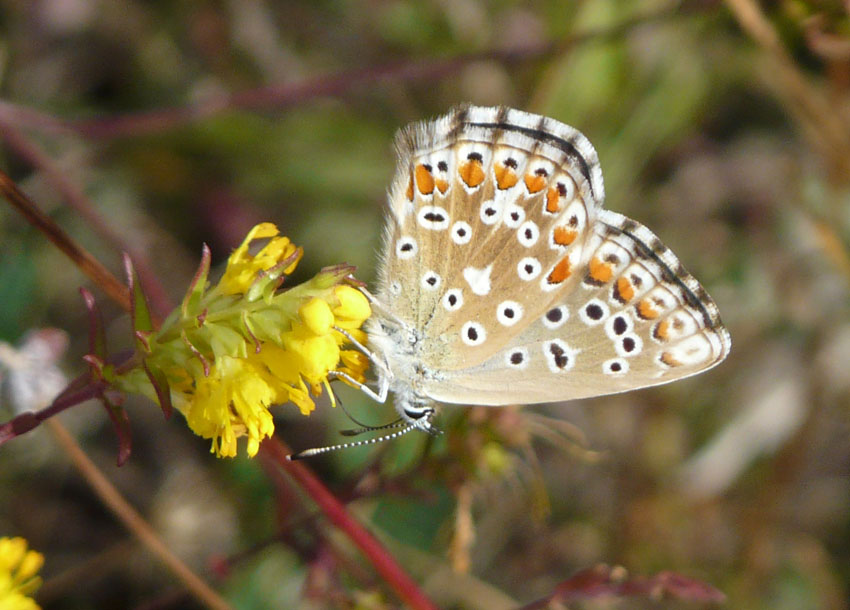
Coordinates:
column 276, row 452
column 78, row 391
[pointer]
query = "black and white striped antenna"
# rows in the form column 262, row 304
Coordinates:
column 369, row 441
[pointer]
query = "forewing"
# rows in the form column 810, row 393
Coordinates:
column 491, row 215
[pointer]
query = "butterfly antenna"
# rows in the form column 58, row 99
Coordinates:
column 398, row 423
column 370, row 441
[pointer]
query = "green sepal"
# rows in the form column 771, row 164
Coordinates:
column 270, row 280
column 143, row 340
column 121, row 424
column 96, row 366
column 225, row 341
column 97, row 333
column 197, row 353
column 140, row 313
column 160, row 385
column 192, row 301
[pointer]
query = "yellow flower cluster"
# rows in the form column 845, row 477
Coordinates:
column 234, row 398
column 233, row 350
column 18, row 574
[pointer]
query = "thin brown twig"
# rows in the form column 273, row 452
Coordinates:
column 90, row 266
column 134, row 522
column 76, row 199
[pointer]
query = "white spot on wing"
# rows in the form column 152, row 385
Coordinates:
column 473, row 333
column 453, row 299
column 629, row 345
column 433, row 217
column 508, row 313
column 430, row 281
column 593, row 312
column 461, row 232
column 513, row 215
column 517, row 358
column 556, row 317
column 528, row 268
column 559, row 355
column 406, row 247
column 528, row 233
column 491, row 212
column 478, row 279
column 615, row 367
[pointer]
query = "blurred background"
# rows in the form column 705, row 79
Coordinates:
column 724, row 127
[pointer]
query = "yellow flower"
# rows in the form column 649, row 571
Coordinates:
column 18, row 574
column 233, row 401
column 228, row 355
column 242, row 266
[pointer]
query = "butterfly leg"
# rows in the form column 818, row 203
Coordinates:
column 376, row 304
column 380, row 364
column 383, row 386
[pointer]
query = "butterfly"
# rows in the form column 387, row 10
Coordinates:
column 503, row 280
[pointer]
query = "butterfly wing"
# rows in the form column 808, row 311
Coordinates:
column 637, row 319
column 490, row 212
column 516, row 284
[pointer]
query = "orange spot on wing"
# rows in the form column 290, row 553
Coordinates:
column 409, row 192
column 600, row 271
column 668, row 359
column 505, row 176
column 560, row 272
column 553, row 197
column 646, row 311
column 625, row 289
column 442, row 185
column 535, row 183
column 564, row 236
column 662, row 331
column 471, row 173
column 424, row 179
